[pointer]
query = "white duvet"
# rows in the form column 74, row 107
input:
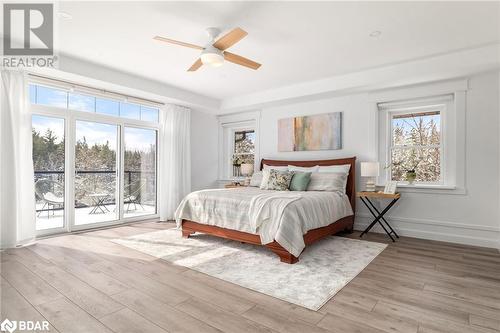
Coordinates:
column 273, row 215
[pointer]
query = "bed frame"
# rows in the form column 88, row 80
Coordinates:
column 344, row 224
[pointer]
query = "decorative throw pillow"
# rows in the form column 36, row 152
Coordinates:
column 300, row 180
column 278, row 180
column 328, row 181
column 256, row 179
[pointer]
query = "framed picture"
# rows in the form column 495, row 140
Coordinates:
column 314, row 132
column 390, row 187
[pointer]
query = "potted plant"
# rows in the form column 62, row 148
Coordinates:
column 410, row 173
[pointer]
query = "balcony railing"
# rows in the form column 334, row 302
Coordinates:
column 141, row 183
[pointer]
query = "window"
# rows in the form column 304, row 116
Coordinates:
column 416, row 146
column 109, row 171
column 49, row 96
column 244, row 150
column 239, row 142
column 425, row 135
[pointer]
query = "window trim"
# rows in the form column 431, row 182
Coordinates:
column 228, row 124
column 451, row 93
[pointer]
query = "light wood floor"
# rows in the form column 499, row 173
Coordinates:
column 85, row 283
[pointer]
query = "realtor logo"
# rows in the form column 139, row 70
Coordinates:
column 28, row 29
column 8, row 326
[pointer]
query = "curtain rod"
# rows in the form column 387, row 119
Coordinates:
column 104, row 91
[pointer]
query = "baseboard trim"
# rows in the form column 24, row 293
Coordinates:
column 485, row 236
column 434, row 222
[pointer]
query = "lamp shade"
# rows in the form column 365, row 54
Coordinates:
column 246, row 169
column 369, row 169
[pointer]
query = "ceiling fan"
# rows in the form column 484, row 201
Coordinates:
column 214, row 53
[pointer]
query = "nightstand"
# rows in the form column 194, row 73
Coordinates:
column 379, row 216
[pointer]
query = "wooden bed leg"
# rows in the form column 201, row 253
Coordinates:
column 284, row 255
column 187, row 233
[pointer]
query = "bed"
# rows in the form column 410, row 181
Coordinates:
column 223, row 213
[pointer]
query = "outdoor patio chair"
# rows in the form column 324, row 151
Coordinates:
column 46, row 190
column 134, row 197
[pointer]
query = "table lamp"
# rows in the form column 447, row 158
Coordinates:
column 371, row 171
column 246, row 170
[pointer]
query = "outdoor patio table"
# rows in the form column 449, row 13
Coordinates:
column 99, row 200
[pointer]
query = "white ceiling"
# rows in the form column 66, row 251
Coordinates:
column 294, row 41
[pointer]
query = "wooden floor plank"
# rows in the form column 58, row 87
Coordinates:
column 67, row 317
column 82, row 294
column 33, row 288
column 128, row 321
column 220, row 319
column 15, row 307
column 161, row 314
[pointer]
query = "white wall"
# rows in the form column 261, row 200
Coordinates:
column 471, row 218
column 204, row 150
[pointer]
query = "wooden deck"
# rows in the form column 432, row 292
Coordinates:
column 85, row 283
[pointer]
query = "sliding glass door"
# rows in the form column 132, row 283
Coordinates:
column 95, row 172
column 139, row 177
column 95, row 159
column 49, row 165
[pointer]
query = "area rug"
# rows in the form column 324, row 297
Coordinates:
column 323, row 268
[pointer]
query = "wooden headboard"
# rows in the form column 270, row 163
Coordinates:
column 351, row 179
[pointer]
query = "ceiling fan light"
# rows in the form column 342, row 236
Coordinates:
column 212, row 56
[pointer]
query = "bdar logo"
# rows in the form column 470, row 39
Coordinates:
column 8, row 326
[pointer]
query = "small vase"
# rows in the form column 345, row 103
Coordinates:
column 410, row 177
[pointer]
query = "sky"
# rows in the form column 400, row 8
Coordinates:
column 135, row 138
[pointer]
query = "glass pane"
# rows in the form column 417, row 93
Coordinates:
column 48, row 163
column 129, row 110
column 139, row 196
column 149, row 114
column 244, row 142
column 51, row 97
column 32, row 94
column 95, row 168
column 426, row 162
column 417, row 129
column 81, row 102
column 107, row 106
column 244, row 147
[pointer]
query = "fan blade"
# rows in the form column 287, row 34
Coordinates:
column 230, row 39
column 197, row 64
column 239, row 60
column 173, row 41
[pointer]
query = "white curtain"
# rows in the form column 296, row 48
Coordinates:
column 17, row 194
column 175, row 158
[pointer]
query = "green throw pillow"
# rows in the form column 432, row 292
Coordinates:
column 300, row 180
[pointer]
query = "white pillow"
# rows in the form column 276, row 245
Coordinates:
column 303, row 169
column 279, row 168
column 256, row 179
column 265, row 178
column 344, row 168
column 328, row 181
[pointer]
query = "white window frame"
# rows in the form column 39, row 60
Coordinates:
column 441, row 108
column 70, row 117
column 450, row 98
column 228, row 125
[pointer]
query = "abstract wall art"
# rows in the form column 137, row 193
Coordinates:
column 316, row 132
